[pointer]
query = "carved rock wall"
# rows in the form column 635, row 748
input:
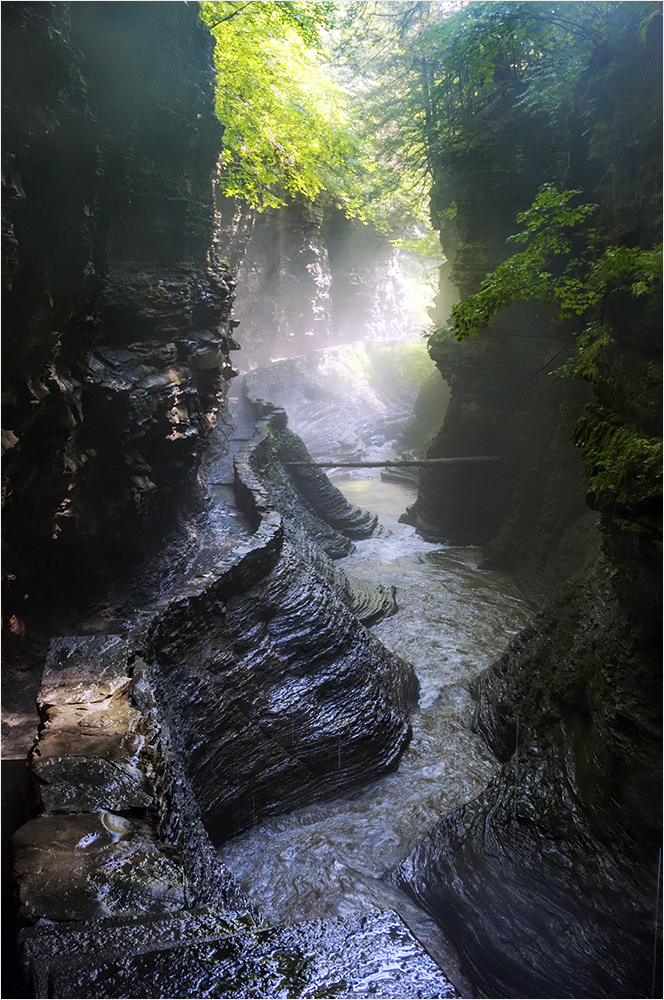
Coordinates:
column 550, row 881
column 275, row 692
column 308, row 277
column 116, row 316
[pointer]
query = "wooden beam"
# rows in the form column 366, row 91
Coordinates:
column 402, row 463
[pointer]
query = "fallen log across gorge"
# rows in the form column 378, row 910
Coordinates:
column 399, row 463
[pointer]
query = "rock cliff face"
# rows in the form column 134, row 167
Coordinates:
column 530, row 509
column 548, row 882
column 254, row 688
column 116, row 332
column 377, row 396
column 308, row 277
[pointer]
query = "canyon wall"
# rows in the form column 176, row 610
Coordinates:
column 548, row 882
column 116, row 314
column 309, row 277
column 211, row 664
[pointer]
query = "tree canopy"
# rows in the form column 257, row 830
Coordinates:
column 297, row 86
column 286, row 127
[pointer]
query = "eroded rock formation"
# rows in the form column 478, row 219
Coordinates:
column 116, row 316
column 548, row 881
column 539, row 878
column 255, row 689
column 377, row 395
column 229, row 676
column 502, row 405
column 275, row 692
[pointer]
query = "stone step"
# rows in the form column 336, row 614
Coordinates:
column 92, row 753
column 85, row 866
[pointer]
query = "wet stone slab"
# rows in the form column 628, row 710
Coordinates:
column 89, row 865
column 93, row 757
column 49, row 948
column 369, row 955
column 83, row 669
column 92, row 754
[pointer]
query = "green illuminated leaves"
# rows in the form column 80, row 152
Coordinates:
column 575, row 283
column 531, row 274
column 287, row 125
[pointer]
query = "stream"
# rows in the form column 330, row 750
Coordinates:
column 453, row 620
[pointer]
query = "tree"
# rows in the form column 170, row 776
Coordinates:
column 297, row 92
column 287, row 126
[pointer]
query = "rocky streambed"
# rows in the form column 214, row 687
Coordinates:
column 260, row 767
column 171, row 724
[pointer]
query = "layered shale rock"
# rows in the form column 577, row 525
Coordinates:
column 369, row 378
column 116, row 322
column 277, row 693
column 141, row 905
column 550, row 882
column 529, row 510
column 538, row 878
column 258, row 689
column 119, row 839
column 92, row 752
column 204, row 956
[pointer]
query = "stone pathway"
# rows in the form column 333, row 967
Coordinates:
column 126, row 895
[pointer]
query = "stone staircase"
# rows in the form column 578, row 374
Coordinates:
column 121, row 888
column 126, row 895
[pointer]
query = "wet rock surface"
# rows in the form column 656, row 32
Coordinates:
column 460, row 504
column 119, row 838
column 263, row 646
column 538, row 878
column 106, row 733
column 88, row 865
column 118, row 340
column 371, row 955
column 49, row 949
column 275, row 692
column 520, row 507
column 116, row 323
column 327, row 501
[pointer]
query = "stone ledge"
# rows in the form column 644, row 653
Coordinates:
column 92, row 753
column 48, row 948
column 82, row 866
column 363, row 955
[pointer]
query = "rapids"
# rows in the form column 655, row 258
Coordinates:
column 453, row 620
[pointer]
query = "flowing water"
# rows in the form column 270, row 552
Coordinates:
column 453, row 620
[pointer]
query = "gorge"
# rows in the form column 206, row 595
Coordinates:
column 272, row 733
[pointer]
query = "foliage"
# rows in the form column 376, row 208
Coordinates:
column 378, row 46
column 295, row 124
column 407, row 363
column 488, row 58
column 530, row 274
column 287, row 124
column 578, row 286
column 509, row 95
column 426, row 247
column 622, row 460
column 624, row 467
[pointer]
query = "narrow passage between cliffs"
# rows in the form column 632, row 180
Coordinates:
column 453, row 620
